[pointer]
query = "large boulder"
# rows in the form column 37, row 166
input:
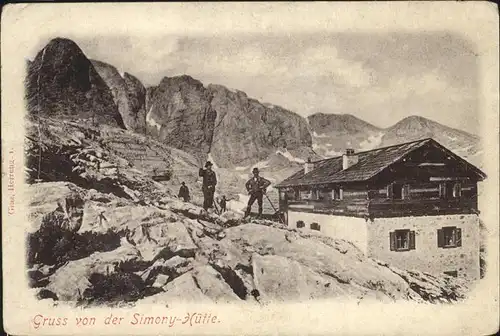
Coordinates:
column 181, row 290
column 56, row 198
column 280, row 279
column 344, row 264
column 70, row 281
column 213, row 285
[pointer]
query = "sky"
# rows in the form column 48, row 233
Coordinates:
column 378, row 77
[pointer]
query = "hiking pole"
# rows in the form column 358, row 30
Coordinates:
column 275, row 211
column 215, row 207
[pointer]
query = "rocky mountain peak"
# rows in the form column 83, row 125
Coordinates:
column 128, row 94
column 62, row 82
column 323, row 123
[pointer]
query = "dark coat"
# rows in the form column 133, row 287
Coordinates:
column 222, row 203
column 209, row 178
column 258, row 184
column 184, row 192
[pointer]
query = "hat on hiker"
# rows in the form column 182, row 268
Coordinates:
column 208, row 164
column 255, row 170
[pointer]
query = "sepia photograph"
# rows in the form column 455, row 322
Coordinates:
column 254, row 168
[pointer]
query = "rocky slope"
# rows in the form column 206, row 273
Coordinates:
column 128, row 94
column 61, row 82
column 109, row 250
column 103, row 232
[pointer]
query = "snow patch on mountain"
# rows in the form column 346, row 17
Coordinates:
column 289, row 156
column 316, row 135
column 333, row 153
column 150, row 121
column 241, row 168
column 262, row 164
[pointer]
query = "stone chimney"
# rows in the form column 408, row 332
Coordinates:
column 349, row 158
column 308, row 166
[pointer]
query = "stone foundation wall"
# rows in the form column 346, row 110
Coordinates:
column 427, row 256
column 340, row 227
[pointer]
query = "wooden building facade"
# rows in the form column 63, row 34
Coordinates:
column 419, row 178
column 414, row 205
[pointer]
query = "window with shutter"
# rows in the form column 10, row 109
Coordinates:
column 449, row 236
column 457, row 190
column 405, row 191
column 442, row 190
column 458, row 236
column 392, row 241
column 412, row 240
column 300, row 224
column 400, row 240
column 315, row 226
column 397, row 191
column 440, row 238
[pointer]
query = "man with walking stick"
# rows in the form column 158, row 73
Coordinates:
column 256, row 187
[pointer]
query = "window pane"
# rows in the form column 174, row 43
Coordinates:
column 397, row 191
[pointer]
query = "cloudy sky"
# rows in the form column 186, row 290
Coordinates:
column 380, row 78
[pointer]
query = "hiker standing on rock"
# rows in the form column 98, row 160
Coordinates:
column 209, row 183
column 184, row 192
column 256, row 187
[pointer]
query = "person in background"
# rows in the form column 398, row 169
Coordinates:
column 184, row 192
column 256, row 187
column 222, row 204
column 209, row 183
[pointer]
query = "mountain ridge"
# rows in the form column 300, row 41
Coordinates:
column 226, row 125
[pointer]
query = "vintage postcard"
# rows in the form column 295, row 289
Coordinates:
column 250, row 168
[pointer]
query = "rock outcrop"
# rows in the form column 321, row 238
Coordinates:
column 247, row 131
column 233, row 128
column 175, row 253
column 128, row 94
column 62, row 83
column 179, row 114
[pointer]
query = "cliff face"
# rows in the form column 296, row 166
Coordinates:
column 247, row 131
column 234, row 129
column 128, row 94
column 179, row 113
column 63, row 83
